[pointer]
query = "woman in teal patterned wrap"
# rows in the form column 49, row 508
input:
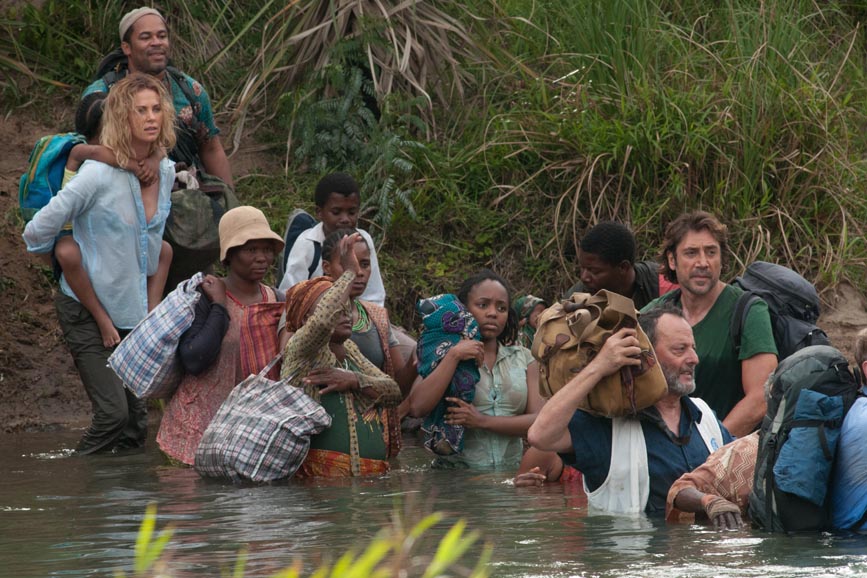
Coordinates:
column 506, row 397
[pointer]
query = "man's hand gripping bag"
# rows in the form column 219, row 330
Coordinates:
column 570, row 335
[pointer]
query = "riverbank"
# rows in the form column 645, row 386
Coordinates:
column 39, row 387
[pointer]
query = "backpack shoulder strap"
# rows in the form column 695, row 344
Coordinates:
column 111, row 77
column 181, row 81
column 317, row 255
column 739, row 317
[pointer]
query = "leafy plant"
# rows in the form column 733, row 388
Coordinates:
column 150, row 551
column 339, row 125
column 394, row 551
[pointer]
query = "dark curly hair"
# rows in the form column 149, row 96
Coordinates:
column 340, row 183
column 612, row 241
column 88, row 115
column 510, row 331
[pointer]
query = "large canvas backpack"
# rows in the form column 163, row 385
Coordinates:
column 811, row 392
column 569, row 336
column 44, row 175
column 793, row 304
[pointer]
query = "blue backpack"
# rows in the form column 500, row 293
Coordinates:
column 45, row 172
column 811, row 392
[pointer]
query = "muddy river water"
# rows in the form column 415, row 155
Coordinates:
column 70, row 516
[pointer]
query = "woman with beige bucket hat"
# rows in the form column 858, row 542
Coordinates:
column 234, row 333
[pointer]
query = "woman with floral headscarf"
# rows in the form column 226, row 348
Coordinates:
column 321, row 359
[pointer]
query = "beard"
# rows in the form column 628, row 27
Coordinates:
column 675, row 386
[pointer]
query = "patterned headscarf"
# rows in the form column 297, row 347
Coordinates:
column 524, row 307
column 300, row 299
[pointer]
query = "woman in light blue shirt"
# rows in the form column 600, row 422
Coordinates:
column 506, row 398
column 118, row 224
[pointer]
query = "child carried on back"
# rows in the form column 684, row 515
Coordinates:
column 67, row 254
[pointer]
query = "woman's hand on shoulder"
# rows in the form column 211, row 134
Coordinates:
column 331, row 379
column 214, row 289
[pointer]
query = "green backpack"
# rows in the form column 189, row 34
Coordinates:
column 192, row 226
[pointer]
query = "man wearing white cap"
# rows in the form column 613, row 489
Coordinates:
column 144, row 47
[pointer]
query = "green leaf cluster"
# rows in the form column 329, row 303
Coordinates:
column 396, row 550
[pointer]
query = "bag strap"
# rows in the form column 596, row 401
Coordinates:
column 606, row 304
column 267, row 369
column 181, row 81
column 739, row 317
column 317, row 255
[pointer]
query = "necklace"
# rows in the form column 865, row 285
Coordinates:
column 363, row 320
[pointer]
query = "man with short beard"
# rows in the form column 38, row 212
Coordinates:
column 144, row 40
column 730, row 379
column 629, row 463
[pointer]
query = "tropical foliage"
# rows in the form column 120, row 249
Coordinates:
column 494, row 132
column 399, row 549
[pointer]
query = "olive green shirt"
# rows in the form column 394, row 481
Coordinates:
column 718, row 375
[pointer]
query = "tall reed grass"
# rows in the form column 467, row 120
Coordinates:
column 752, row 110
column 567, row 112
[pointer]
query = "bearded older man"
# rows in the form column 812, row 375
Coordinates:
column 629, row 464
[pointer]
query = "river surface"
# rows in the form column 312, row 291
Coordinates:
column 72, row 516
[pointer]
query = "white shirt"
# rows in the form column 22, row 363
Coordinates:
column 301, row 258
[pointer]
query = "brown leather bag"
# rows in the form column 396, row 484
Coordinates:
column 571, row 333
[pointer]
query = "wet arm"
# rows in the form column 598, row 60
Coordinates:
column 746, row 415
column 723, row 514
column 538, row 467
column 550, row 430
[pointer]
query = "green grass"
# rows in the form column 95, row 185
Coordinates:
column 569, row 113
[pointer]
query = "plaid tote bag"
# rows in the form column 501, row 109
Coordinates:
column 147, row 359
column 261, row 433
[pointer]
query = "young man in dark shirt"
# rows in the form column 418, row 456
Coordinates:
column 607, row 260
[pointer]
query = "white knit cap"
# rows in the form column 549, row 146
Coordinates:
column 130, row 18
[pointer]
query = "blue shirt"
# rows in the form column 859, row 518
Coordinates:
column 849, row 480
column 119, row 248
column 668, row 457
